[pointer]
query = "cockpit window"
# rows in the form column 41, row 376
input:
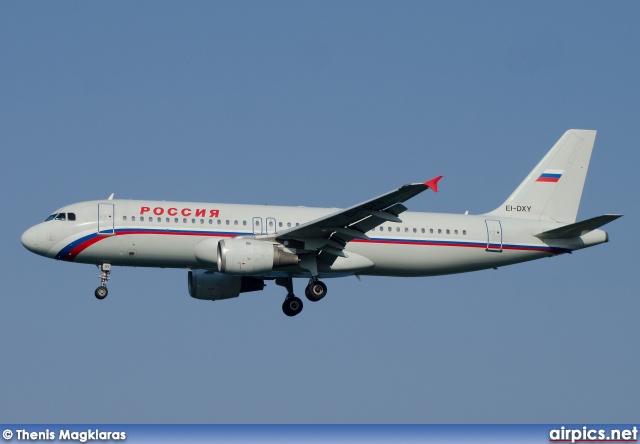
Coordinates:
column 61, row 216
column 71, row 216
column 53, row 216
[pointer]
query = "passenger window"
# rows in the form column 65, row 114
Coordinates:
column 448, row 231
column 167, row 220
column 175, row 220
column 280, row 224
column 456, row 232
column 150, row 219
column 235, row 222
column 390, row 228
column 398, row 229
column 159, row 219
column 201, row 221
column 193, row 221
column 439, row 231
column 288, row 224
column 227, row 221
column 61, row 216
column 297, row 224
column 219, row 221
column 210, row 221
column 415, row 230
column 422, row 230
column 406, row 230
column 124, row 217
column 133, row 218
column 244, row 222
column 184, row 221
column 464, row 232
column 71, row 216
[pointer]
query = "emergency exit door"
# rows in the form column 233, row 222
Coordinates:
column 268, row 227
column 257, row 225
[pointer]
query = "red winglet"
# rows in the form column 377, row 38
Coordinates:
column 433, row 183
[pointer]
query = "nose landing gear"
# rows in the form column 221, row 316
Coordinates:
column 102, row 292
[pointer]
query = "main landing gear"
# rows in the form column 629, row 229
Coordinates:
column 316, row 290
column 292, row 304
column 102, row 292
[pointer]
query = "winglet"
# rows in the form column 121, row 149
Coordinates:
column 433, row 183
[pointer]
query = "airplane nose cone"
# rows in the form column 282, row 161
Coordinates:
column 30, row 239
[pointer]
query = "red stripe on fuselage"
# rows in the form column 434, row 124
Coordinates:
column 75, row 251
column 81, row 247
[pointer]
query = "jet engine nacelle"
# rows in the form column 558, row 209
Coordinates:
column 249, row 256
column 212, row 286
column 206, row 252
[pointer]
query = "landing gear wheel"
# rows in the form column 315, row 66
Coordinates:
column 315, row 291
column 292, row 305
column 101, row 292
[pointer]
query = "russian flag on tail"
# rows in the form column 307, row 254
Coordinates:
column 550, row 176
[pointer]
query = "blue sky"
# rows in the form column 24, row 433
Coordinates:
column 318, row 104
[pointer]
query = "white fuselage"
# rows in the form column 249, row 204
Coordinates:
column 165, row 234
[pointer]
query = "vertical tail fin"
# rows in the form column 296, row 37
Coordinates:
column 553, row 189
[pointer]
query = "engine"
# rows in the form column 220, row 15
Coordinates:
column 249, row 256
column 212, row 286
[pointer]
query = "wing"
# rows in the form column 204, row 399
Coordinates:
column 331, row 233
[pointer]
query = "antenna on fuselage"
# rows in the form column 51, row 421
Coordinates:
column 111, row 197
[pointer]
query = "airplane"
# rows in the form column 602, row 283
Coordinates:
column 229, row 249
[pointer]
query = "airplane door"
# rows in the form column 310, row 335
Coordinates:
column 105, row 219
column 494, row 235
column 271, row 225
column 257, row 225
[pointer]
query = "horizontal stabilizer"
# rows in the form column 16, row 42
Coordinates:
column 578, row 228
